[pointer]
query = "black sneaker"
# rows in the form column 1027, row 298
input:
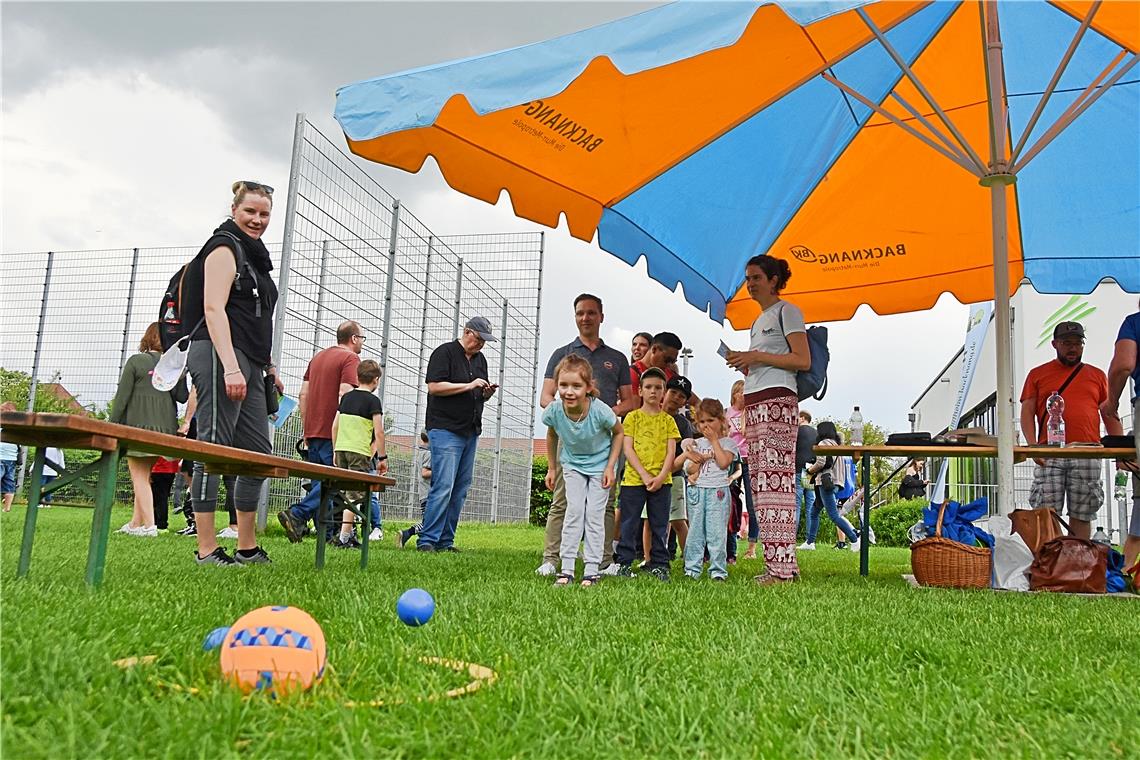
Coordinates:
column 291, row 526
column 403, row 537
column 840, row 545
column 626, row 571
column 189, row 530
column 452, row 549
column 348, row 543
column 216, row 557
column 254, row 556
column 425, row 547
column 660, row 573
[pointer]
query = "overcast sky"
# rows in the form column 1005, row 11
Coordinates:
column 125, row 123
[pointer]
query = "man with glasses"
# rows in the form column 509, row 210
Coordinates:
column 330, row 375
column 1084, row 388
column 457, row 387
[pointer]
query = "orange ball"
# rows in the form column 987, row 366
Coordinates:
column 276, row 649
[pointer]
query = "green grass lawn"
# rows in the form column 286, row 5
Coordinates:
column 832, row 666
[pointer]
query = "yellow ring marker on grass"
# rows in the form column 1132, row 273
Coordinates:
column 480, row 675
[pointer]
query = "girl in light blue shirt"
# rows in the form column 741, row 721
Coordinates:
column 587, row 437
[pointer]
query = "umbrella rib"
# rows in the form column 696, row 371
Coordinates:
column 974, row 170
column 1064, row 64
column 979, row 164
column 933, row 130
column 1079, row 106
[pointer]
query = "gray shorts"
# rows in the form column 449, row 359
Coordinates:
column 240, row 424
column 677, row 508
column 1076, row 482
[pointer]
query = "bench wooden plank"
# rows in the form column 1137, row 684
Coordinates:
column 43, row 426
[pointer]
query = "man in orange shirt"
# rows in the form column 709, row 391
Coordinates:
column 1079, row 482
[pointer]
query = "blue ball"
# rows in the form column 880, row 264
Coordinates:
column 214, row 638
column 415, row 606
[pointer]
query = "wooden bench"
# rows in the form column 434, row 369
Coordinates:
column 69, row 431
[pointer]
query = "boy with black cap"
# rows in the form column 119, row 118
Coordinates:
column 678, row 391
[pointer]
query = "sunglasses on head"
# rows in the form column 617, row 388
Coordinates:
column 255, row 186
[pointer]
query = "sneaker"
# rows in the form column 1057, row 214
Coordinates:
column 254, row 556
column 660, row 573
column 807, row 546
column 377, row 534
column 128, row 528
column 424, row 547
column 872, row 536
column 546, row 569
column 293, row 529
column 451, row 549
column 144, row 532
column 217, row 557
column 610, row 569
column 189, row 530
column 346, row 543
column 403, row 536
column 625, row 571
column 840, row 545
column 720, row 578
column 854, row 545
column 228, row 532
column 641, row 565
column 732, row 560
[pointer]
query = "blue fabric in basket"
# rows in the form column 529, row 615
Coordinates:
column 958, row 522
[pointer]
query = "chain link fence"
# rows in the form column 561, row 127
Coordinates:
column 70, row 319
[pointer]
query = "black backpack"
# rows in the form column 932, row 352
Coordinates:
column 170, row 327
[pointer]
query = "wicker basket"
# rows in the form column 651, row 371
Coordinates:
column 938, row 561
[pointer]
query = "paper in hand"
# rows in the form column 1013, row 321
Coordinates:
column 723, row 350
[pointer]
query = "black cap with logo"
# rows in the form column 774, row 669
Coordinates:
column 1068, row 330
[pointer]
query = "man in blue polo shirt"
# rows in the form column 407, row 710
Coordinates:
column 1124, row 365
column 611, row 376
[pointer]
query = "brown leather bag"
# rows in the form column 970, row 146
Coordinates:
column 1036, row 527
column 1070, row 564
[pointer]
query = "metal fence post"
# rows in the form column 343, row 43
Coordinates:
column 537, row 358
column 36, row 363
column 499, row 417
column 320, row 296
column 421, row 392
column 458, row 295
column 283, row 283
column 130, row 305
column 389, row 286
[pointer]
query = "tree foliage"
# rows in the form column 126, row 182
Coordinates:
column 15, row 386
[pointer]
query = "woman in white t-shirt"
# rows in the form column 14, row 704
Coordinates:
column 778, row 349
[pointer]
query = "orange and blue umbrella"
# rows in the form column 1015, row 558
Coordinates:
column 891, row 151
column 699, row 134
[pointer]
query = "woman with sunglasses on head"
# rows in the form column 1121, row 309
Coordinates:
column 228, row 299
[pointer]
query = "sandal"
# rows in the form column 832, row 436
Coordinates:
column 770, row 580
column 563, row 579
column 591, row 580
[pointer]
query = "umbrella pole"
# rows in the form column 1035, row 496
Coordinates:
column 997, row 180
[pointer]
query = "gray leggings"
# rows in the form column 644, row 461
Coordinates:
column 241, row 424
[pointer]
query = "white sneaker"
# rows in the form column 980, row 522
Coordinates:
column 872, row 536
column 641, row 565
column 145, row 531
column 806, row 547
column 854, row 545
column 611, row 569
column 126, row 529
column 376, row 535
column 545, row 569
column 228, row 532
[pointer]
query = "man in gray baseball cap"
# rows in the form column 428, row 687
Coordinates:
column 481, row 326
column 457, row 387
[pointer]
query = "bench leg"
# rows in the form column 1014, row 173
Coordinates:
column 33, row 510
column 865, row 528
column 101, row 522
column 365, row 517
column 322, row 515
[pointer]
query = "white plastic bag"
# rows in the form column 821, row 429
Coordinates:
column 1012, row 557
column 170, row 366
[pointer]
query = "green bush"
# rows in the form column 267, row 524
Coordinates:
column 540, row 496
column 891, row 522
